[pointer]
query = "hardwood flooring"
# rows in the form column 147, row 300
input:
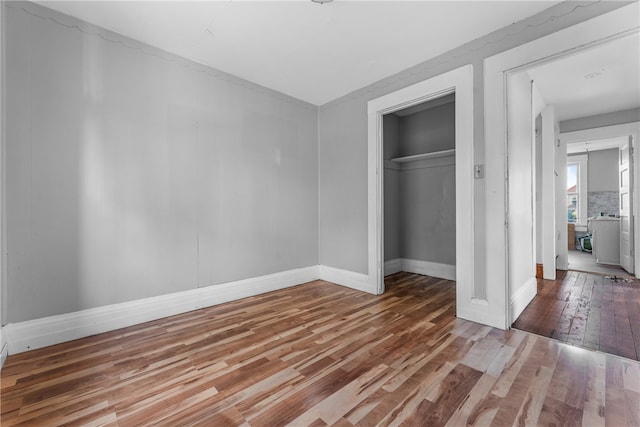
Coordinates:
column 321, row 354
column 588, row 310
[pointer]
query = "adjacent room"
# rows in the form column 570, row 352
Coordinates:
column 314, row 212
column 587, row 293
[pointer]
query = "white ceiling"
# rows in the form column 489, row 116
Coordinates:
column 597, row 80
column 314, row 52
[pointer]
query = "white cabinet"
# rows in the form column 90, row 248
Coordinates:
column 605, row 240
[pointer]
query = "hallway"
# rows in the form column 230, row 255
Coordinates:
column 592, row 311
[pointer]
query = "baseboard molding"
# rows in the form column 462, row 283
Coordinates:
column 4, row 348
column 392, row 266
column 522, row 297
column 433, row 269
column 38, row 333
column 347, row 278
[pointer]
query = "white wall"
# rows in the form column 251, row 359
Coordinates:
column 132, row 174
column 550, row 167
column 521, row 197
column 562, row 242
column 538, row 106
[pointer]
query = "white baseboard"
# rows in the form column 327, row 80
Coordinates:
column 392, row 266
column 347, row 278
column 522, row 297
column 38, row 333
column 51, row 330
column 433, row 269
column 4, row 348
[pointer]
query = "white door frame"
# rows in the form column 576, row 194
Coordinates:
column 603, row 28
column 460, row 82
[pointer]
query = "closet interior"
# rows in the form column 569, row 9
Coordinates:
column 420, row 190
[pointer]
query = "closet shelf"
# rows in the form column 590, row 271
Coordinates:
column 432, row 155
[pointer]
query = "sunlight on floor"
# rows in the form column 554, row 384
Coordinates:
column 584, row 261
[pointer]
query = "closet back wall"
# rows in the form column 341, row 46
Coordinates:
column 134, row 173
column 425, row 202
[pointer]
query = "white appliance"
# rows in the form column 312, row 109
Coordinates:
column 605, row 240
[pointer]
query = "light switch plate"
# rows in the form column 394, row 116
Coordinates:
column 478, row 171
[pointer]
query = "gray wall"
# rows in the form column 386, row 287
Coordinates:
column 601, row 120
column 343, row 138
column 602, row 183
column 602, row 170
column 392, row 198
column 428, row 130
column 428, row 214
column 135, row 173
column 428, row 209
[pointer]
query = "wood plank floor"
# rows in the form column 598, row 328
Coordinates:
column 320, row 354
column 588, row 310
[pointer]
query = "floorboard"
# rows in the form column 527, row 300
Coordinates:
column 320, row 354
column 593, row 311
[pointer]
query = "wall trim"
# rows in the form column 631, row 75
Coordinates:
column 33, row 334
column 347, row 278
column 392, row 266
column 38, row 333
column 4, row 348
column 522, row 297
column 433, row 269
column 427, row 268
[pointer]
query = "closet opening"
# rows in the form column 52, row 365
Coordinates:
column 472, row 302
column 419, row 181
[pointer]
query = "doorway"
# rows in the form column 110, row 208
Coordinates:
column 572, row 307
column 419, row 189
column 618, row 23
column 607, row 176
column 459, row 84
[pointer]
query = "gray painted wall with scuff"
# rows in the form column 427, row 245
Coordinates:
column 132, row 174
column 343, row 138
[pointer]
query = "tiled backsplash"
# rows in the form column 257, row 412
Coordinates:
column 606, row 202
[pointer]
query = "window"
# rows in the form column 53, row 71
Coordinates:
column 577, row 189
column 573, row 211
